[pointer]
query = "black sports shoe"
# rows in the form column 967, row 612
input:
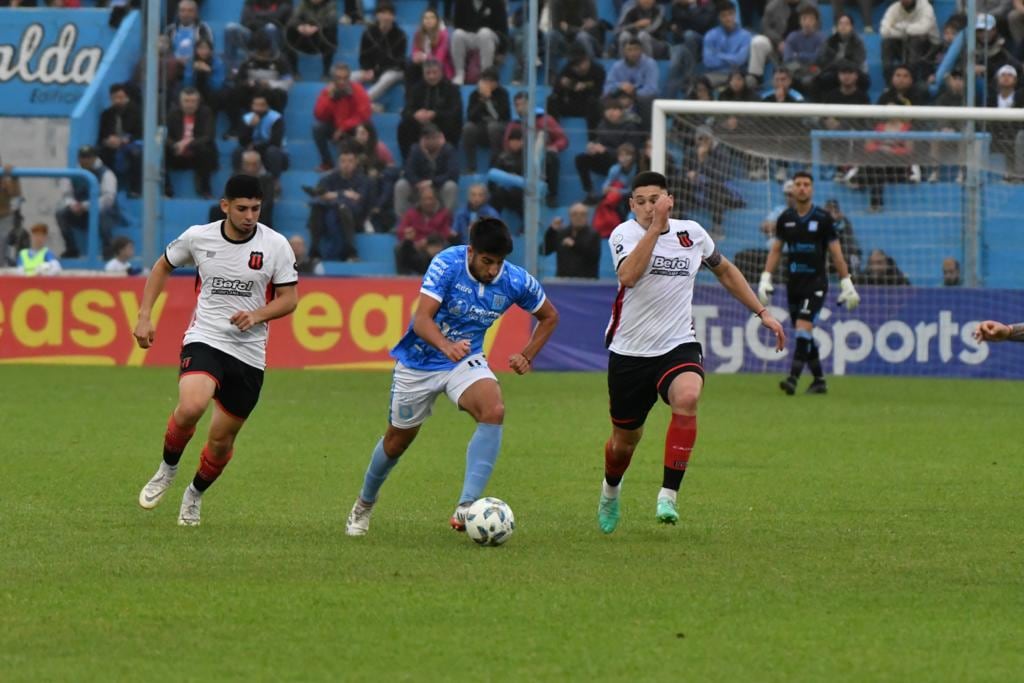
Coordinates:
column 818, row 386
column 788, row 385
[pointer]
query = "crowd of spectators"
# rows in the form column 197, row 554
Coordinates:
column 603, row 70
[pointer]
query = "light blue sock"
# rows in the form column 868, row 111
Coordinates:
column 377, row 472
column 481, row 454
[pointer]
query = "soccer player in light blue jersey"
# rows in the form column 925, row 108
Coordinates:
column 464, row 291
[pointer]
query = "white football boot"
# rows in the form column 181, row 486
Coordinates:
column 358, row 522
column 156, row 487
column 191, row 502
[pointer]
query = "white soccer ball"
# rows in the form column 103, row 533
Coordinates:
column 490, row 521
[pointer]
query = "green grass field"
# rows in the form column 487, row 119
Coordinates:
column 872, row 534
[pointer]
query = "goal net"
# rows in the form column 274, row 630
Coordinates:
column 925, row 198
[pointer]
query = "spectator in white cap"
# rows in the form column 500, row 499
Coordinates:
column 1007, row 136
column 991, row 54
column 909, row 34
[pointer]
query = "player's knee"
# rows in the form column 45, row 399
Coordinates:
column 220, row 445
column 189, row 411
column 493, row 413
column 685, row 401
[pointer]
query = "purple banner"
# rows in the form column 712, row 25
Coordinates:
column 895, row 331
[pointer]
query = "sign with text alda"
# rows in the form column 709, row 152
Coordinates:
column 48, row 57
column 340, row 324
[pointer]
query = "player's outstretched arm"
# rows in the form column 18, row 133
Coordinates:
column 547, row 321
column 734, row 282
column 993, row 331
column 144, row 332
column 426, row 329
column 285, row 300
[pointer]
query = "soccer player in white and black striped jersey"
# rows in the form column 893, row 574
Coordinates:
column 246, row 277
column 653, row 348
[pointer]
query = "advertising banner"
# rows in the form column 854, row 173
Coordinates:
column 339, row 323
column 48, row 58
column 895, row 331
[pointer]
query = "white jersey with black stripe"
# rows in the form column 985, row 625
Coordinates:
column 233, row 275
column 656, row 315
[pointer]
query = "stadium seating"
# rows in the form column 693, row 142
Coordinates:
column 375, row 250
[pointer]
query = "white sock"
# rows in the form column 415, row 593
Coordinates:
column 668, row 494
column 610, row 491
column 168, row 469
column 193, row 491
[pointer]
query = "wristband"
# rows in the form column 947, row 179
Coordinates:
column 758, row 314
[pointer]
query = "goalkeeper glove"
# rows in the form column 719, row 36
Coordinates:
column 765, row 289
column 848, row 296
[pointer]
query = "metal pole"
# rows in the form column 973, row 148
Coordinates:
column 972, row 186
column 152, row 137
column 531, row 198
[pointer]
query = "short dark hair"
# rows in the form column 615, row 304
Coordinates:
column 516, row 133
column 384, row 6
column 803, row 174
column 724, row 7
column 189, row 90
column 490, row 236
column 630, row 42
column 260, row 41
column 120, row 243
column 490, row 74
column 649, row 178
column 429, row 129
column 118, row 87
column 810, row 9
column 243, row 187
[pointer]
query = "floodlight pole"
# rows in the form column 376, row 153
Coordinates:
column 531, row 197
column 152, row 138
column 972, row 184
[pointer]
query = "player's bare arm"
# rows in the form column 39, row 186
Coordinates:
column 144, row 332
column 285, row 300
column 426, row 329
column 994, row 331
column 651, row 212
column 547, row 321
column 734, row 282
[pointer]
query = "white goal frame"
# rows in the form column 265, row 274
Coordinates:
column 662, row 109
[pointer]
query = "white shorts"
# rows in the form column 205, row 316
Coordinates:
column 413, row 392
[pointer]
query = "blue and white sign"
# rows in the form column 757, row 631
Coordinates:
column 48, row 58
column 895, row 331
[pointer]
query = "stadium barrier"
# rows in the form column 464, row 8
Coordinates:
column 340, row 324
column 923, row 332
column 349, row 324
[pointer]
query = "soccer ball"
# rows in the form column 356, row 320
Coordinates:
column 489, row 521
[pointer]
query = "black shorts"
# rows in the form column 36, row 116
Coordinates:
column 805, row 303
column 238, row 384
column 635, row 383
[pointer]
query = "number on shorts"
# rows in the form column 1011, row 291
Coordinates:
column 475, row 363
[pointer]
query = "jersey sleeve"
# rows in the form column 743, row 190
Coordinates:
column 179, row 252
column 530, row 296
column 438, row 278
column 286, row 269
column 622, row 242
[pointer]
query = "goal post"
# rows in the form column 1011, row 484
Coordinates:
column 928, row 200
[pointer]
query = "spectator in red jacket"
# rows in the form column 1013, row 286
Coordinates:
column 555, row 141
column 341, row 106
column 423, row 232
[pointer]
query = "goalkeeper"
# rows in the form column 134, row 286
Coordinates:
column 808, row 233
